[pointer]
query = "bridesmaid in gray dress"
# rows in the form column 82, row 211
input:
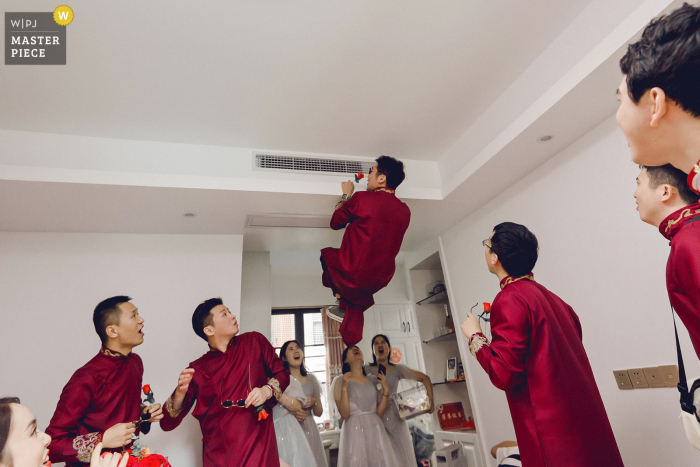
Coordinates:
column 363, row 441
column 293, row 358
column 292, row 446
column 397, row 428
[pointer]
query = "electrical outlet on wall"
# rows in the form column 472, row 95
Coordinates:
column 655, row 377
column 670, row 374
column 623, row 379
column 638, row 378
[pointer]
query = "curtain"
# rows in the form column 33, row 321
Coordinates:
column 334, row 351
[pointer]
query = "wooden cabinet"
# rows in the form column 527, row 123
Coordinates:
column 395, row 320
column 411, row 352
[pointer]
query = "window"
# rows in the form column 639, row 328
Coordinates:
column 305, row 326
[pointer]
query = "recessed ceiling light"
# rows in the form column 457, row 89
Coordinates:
column 544, row 139
column 189, row 214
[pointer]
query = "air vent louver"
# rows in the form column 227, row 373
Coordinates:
column 303, row 221
column 305, row 164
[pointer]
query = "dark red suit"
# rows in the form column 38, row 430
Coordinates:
column 104, row 392
column 233, row 437
column 682, row 228
column 537, row 357
column 366, row 261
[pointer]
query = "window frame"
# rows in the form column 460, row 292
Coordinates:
column 298, row 320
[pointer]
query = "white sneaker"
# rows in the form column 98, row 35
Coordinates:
column 335, row 313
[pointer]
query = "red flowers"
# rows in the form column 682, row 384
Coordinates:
column 154, row 460
column 487, row 307
column 360, row 176
column 262, row 415
column 146, row 389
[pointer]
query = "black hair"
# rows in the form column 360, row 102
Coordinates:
column 667, row 56
column 5, row 420
column 669, row 175
column 283, row 356
column 516, row 248
column 107, row 313
column 374, row 362
column 346, row 366
column 392, row 169
column 201, row 318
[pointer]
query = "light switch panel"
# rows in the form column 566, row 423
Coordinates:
column 623, row 379
column 639, row 381
column 670, row 374
column 655, row 377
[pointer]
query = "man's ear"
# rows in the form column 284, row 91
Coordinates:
column 209, row 331
column 381, row 179
column 111, row 331
column 658, row 106
column 494, row 259
column 666, row 192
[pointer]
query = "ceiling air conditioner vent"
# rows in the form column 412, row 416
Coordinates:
column 300, row 221
column 307, row 164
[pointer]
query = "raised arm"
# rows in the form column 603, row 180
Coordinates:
column 340, row 393
column 345, row 213
column 504, row 357
column 180, row 402
column 384, row 402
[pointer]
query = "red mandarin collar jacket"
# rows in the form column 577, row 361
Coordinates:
column 682, row 229
column 104, row 392
column 232, row 437
column 366, row 261
column 537, row 357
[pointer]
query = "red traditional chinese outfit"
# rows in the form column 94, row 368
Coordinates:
column 366, row 261
column 537, row 357
column 233, row 437
column 683, row 267
column 104, row 392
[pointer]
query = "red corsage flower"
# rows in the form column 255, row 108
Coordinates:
column 146, row 389
column 487, row 307
column 132, row 462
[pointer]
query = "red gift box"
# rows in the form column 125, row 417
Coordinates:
column 451, row 416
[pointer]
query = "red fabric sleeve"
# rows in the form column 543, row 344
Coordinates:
column 279, row 379
column 684, row 283
column 66, row 443
column 345, row 214
column 504, row 358
column 171, row 417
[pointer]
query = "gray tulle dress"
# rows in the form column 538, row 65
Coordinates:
column 396, row 428
column 313, row 389
column 291, row 441
column 363, row 440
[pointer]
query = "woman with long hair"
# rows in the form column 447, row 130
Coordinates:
column 363, row 440
column 23, row 445
column 396, row 427
column 292, row 446
column 293, row 357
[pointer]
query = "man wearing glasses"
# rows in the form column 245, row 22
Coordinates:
column 375, row 222
column 537, row 357
column 233, row 385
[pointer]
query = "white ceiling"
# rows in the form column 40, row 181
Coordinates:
column 466, row 86
column 361, row 77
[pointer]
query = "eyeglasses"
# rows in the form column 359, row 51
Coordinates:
column 486, row 244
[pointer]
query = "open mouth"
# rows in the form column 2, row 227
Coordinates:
column 297, row 357
column 47, row 462
column 141, row 331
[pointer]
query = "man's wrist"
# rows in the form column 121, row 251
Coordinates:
column 346, row 196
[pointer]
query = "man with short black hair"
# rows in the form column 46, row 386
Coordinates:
column 239, row 374
column 659, row 110
column 665, row 201
column 375, row 221
column 537, row 357
column 103, row 398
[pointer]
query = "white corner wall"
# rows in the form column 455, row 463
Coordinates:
column 50, row 284
column 600, row 258
column 256, row 301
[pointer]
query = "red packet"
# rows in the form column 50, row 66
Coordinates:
column 451, row 415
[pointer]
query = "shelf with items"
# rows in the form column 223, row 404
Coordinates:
column 440, row 297
column 450, row 336
column 450, row 382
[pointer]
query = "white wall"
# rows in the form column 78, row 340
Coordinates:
column 50, row 284
column 599, row 257
column 256, row 300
